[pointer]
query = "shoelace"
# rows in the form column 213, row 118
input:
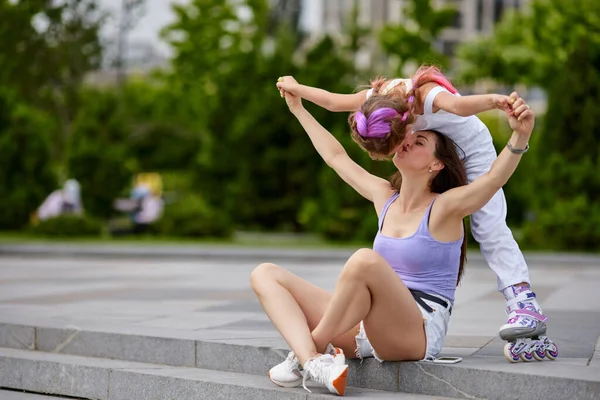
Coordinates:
column 292, row 361
column 316, row 369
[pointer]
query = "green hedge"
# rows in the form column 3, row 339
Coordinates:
column 190, row 216
column 26, row 169
column 68, row 226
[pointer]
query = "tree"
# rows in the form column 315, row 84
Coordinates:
column 131, row 11
column 285, row 12
column 46, row 49
column 100, row 157
column 555, row 46
column 25, row 168
column 21, row 49
column 227, row 80
column 414, row 38
column 72, row 50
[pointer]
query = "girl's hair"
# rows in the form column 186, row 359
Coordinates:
column 427, row 74
column 452, row 175
column 380, row 125
column 368, row 126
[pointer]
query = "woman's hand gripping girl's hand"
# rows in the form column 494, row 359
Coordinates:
column 293, row 101
column 520, row 118
column 287, row 84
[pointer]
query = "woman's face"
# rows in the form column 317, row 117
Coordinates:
column 417, row 152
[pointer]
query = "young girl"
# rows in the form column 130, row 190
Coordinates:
column 430, row 102
column 393, row 301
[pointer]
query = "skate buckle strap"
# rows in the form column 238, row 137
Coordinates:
column 532, row 314
column 523, row 297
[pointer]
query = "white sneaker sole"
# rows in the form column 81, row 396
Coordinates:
column 338, row 384
column 292, row 384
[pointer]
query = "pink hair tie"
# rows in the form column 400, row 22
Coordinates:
column 378, row 123
column 404, row 116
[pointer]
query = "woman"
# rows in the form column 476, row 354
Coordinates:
column 432, row 103
column 419, row 246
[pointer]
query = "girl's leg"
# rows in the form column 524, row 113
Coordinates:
column 498, row 246
column 502, row 254
column 368, row 289
column 295, row 306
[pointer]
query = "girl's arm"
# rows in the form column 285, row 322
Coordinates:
column 369, row 186
column 466, row 106
column 331, row 101
column 466, row 200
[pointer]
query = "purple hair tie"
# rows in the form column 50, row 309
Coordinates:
column 404, row 116
column 411, row 99
column 378, row 123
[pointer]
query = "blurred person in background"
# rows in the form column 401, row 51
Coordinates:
column 62, row 202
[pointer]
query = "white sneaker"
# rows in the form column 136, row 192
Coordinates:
column 325, row 370
column 288, row 374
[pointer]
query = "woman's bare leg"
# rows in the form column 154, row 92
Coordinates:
column 368, row 289
column 295, row 306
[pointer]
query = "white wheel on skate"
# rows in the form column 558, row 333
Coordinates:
column 552, row 351
column 526, row 356
column 539, row 354
column 509, row 354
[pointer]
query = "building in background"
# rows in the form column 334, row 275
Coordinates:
column 315, row 18
column 474, row 18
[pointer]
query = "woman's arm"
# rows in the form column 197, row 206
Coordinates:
column 331, row 101
column 466, row 200
column 369, row 186
column 466, row 106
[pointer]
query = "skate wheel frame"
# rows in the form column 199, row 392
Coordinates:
column 542, row 348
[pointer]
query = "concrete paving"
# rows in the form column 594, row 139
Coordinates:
column 107, row 304
column 93, row 378
column 15, row 395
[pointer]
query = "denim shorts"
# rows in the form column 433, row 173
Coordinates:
column 436, row 327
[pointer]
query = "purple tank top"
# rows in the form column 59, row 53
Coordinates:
column 422, row 262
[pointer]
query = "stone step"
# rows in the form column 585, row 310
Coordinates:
column 104, row 379
column 475, row 377
column 20, row 395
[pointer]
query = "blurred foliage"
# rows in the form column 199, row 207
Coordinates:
column 555, row 46
column 190, row 216
column 68, row 226
column 100, row 156
column 231, row 155
column 413, row 40
column 46, row 50
column 25, row 166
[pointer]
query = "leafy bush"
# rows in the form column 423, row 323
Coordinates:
column 191, row 216
column 68, row 226
column 99, row 156
column 520, row 188
column 26, row 169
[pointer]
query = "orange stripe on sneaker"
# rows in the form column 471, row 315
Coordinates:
column 339, row 383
